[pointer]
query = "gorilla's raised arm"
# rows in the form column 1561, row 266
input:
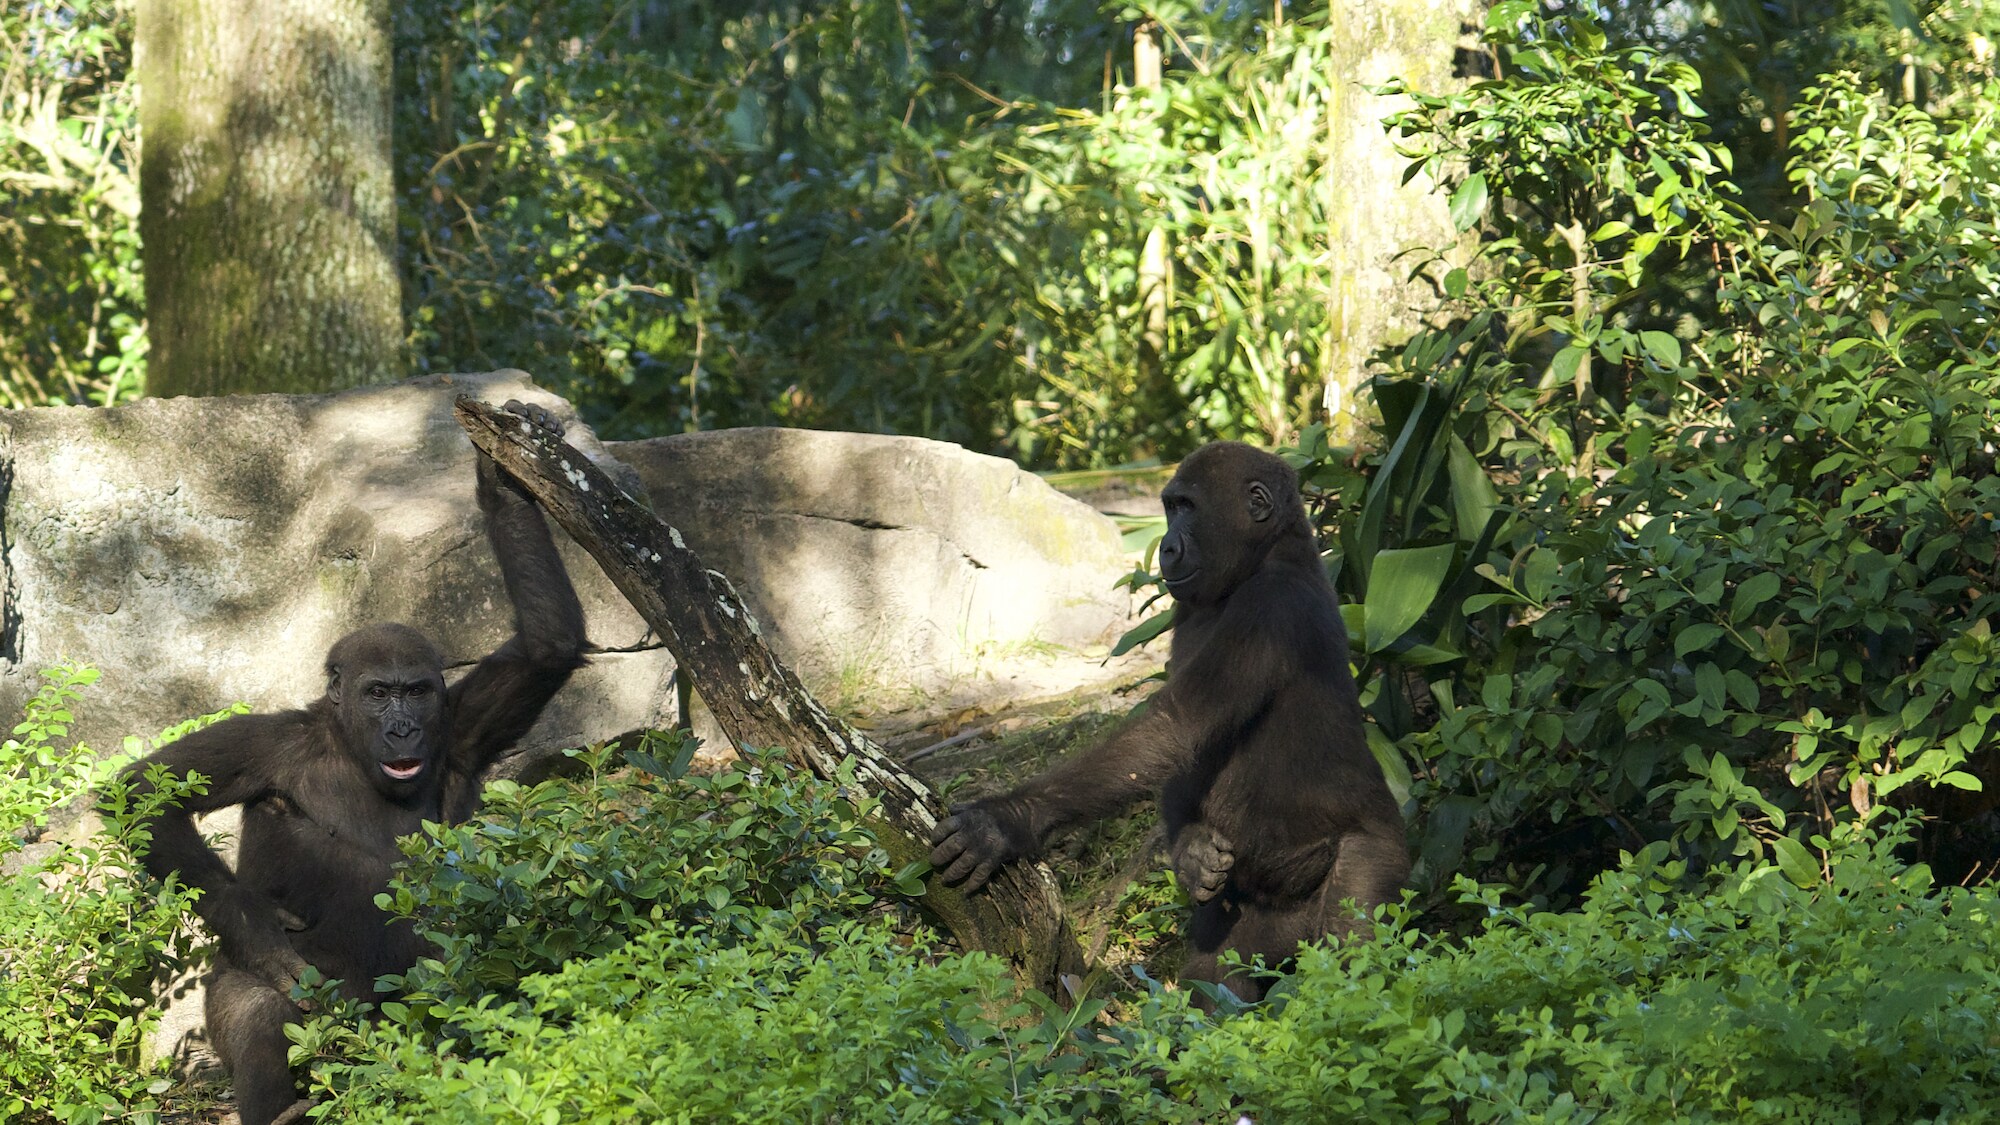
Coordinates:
column 496, row 703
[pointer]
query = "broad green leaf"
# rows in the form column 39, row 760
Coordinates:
column 1665, row 350
column 1142, row 533
column 1355, row 618
column 1777, row 643
column 1394, row 770
column 1711, row 686
column 1473, row 497
column 647, row 762
column 1468, row 203
column 1538, row 574
column 1755, row 591
column 1696, row 637
column 1423, row 656
column 1402, row 584
column 1562, row 369
column 1796, row 862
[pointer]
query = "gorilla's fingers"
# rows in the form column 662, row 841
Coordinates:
column 1223, row 857
column 535, row 415
column 944, row 830
column 966, row 864
column 945, row 852
column 979, row 876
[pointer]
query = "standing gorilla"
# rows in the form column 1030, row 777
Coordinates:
column 1275, row 809
column 325, row 792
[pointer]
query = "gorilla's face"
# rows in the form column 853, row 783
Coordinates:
column 386, row 685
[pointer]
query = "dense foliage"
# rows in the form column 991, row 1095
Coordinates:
column 725, row 949
column 636, row 942
column 72, row 298
column 82, row 944
column 1684, row 526
column 706, row 217
column 921, row 217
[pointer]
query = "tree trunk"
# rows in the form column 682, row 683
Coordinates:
column 1155, row 266
column 267, row 205
column 1373, row 215
column 757, row 700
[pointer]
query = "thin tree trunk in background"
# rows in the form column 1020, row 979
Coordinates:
column 1375, row 216
column 1155, row 267
column 267, row 204
column 756, row 698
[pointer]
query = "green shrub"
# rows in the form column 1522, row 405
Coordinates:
column 1687, row 519
column 1751, row 993
column 72, row 291
column 82, row 943
column 1738, row 997
column 693, row 948
column 853, row 1024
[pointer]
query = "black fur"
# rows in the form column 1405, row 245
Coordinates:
column 1275, row 809
column 326, row 790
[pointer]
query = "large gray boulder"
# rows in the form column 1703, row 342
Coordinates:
column 203, row 551
column 891, row 571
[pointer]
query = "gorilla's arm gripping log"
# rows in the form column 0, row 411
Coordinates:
column 756, row 699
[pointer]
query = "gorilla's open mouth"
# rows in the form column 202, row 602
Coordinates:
column 403, row 769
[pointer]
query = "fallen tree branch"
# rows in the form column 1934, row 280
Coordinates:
column 756, row 699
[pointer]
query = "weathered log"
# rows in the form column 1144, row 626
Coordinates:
column 756, row 699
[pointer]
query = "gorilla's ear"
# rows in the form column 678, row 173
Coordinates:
column 1261, row 505
column 333, row 682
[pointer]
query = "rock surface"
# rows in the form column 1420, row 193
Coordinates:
column 892, row 572
column 205, row 551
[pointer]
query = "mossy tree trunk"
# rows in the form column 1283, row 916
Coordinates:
column 1375, row 216
column 266, row 199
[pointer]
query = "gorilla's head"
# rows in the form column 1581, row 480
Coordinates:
column 385, row 685
column 1225, row 508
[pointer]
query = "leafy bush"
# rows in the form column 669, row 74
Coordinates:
column 72, row 293
column 1741, row 997
column 700, row 215
column 1754, row 993
column 82, row 943
column 1740, row 586
column 649, row 925
column 673, row 1027
column 702, row 218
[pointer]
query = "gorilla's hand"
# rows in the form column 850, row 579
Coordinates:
column 497, row 487
column 978, row 839
column 1202, row 859
column 535, row 415
column 253, row 932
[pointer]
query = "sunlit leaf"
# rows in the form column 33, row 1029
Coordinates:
column 1402, row 585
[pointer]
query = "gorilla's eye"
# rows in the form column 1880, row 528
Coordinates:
column 418, row 691
column 378, row 692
